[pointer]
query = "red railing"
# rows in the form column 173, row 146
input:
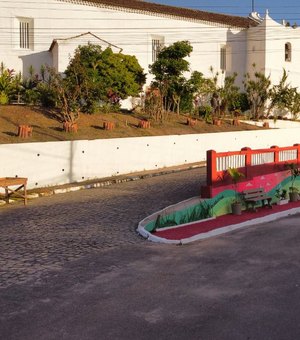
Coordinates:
column 250, row 162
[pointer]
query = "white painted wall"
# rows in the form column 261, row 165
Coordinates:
column 56, row 163
column 131, row 31
column 266, row 48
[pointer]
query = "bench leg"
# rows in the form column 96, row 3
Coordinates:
column 25, row 195
column 6, row 195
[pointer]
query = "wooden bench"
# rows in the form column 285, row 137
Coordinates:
column 20, row 182
column 252, row 196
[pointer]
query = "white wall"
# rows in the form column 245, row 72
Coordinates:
column 56, row 163
column 266, row 48
column 131, row 31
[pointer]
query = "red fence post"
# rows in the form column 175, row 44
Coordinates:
column 211, row 166
column 298, row 152
column 247, row 161
column 276, row 153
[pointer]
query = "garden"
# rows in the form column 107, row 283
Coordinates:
column 86, row 101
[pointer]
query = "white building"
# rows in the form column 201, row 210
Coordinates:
column 40, row 32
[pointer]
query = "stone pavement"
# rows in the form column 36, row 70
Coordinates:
column 51, row 231
column 76, row 270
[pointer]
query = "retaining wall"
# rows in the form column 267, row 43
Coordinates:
column 55, row 163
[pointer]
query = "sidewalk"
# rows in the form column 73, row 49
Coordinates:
column 222, row 224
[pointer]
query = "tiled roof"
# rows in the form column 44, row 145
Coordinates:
column 184, row 13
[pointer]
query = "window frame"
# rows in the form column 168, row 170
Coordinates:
column 287, row 52
column 157, row 43
column 223, row 57
column 25, row 33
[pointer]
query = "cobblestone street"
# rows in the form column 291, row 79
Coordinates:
column 41, row 238
column 73, row 268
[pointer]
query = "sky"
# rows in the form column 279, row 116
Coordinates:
column 278, row 9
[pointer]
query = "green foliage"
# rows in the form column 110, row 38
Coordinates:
column 205, row 111
column 241, row 103
column 257, row 90
column 65, row 93
column 9, row 84
column 47, row 94
column 168, row 71
column 30, row 94
column 104, row 76
column 281, row 194
column 221, row 96
column 202, row 89
column 229, row 93
column 235, row 176
column 170, row 63
column 295, row 172
column 281, row 95
column 294, row 104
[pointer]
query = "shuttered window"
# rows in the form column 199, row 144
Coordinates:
column 223, row 58
column 157, row 45
column 24, row 34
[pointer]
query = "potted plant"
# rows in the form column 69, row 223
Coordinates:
column 293, row 190
column 281, row 195
column 236, row 176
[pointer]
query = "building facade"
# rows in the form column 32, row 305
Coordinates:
column 48, row 31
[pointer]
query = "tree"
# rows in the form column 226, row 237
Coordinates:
column 66, row 94
column 257, row 90
column 104, row 76
column 202, row 88
column 229, row 93
column 294, row 104
column 168, row 71
column 209, row 90
column 281, row 95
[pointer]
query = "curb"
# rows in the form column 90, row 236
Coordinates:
column 218, row 231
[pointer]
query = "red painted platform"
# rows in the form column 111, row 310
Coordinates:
column 190, row 230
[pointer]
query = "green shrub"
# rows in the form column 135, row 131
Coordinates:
column 3, row 98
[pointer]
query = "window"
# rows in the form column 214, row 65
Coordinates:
column 288, row 52
column 223, row 58
column 157, row 45
column 25, row 31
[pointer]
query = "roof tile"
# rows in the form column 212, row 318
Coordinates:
column 230, row 20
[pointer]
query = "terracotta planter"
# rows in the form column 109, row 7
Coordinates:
column 217, row 121
column 293, row 196
column 144, row 124
column 24, row 131
column 191, row 121
column 266, row 125
column 70, row 127
column 236, row 122
column 236, row 208
column 108, row 125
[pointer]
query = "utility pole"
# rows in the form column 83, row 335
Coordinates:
column 252, row 5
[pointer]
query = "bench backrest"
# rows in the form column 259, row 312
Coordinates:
column 254, row 193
